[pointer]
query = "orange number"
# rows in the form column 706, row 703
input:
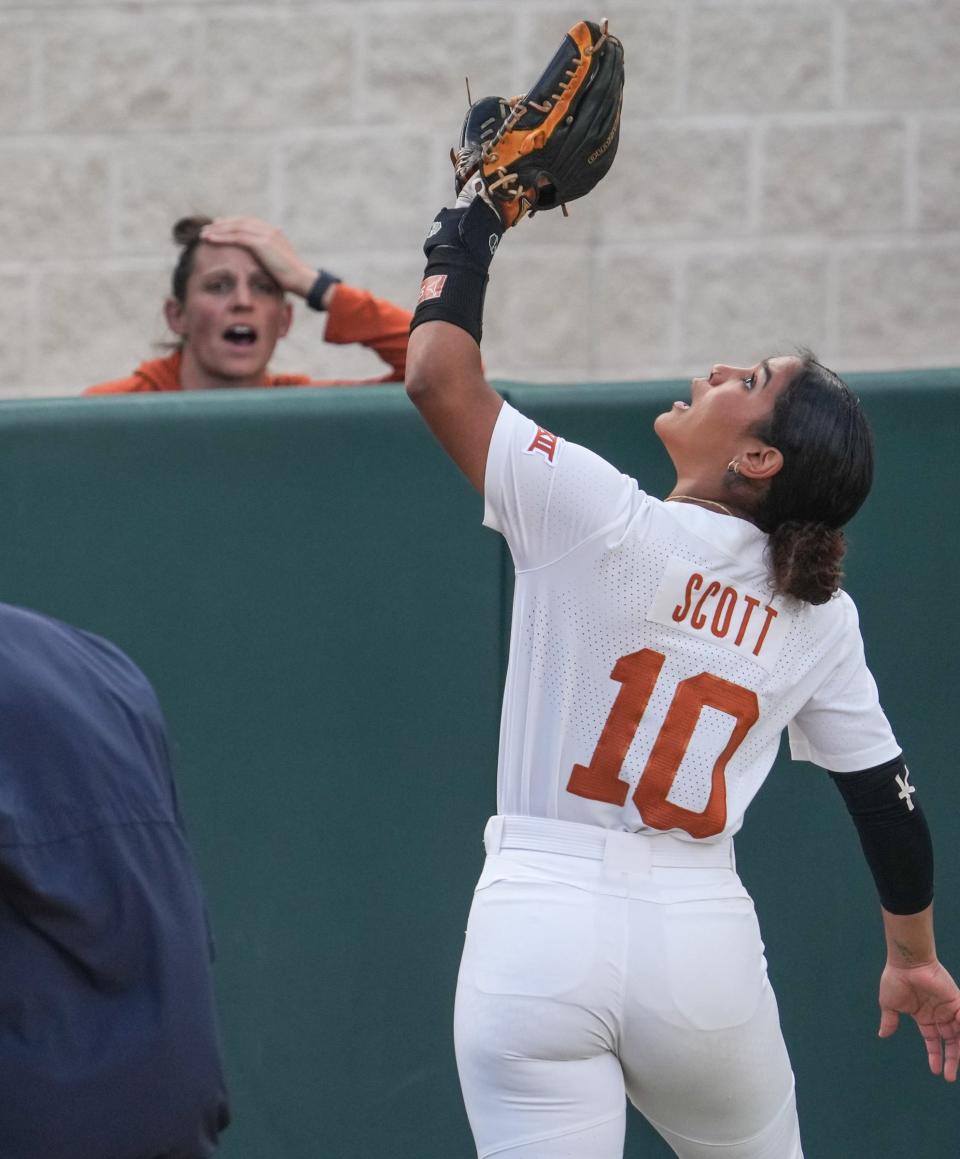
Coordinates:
column 600, row 780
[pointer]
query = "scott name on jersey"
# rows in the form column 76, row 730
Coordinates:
column 710, row 606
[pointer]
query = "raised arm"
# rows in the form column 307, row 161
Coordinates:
column 357, row 316
column 446, row 384
column 445, row 377
column 538, row 152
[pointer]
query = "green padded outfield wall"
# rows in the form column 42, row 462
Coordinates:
column 305, row 579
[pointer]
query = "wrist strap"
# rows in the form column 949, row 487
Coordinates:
column 459, row 249
column 323, row 283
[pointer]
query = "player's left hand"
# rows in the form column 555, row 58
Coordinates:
column 269, row 245
column 931, row 997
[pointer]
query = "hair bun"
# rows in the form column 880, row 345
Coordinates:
column 186, row 231
column 806, row 559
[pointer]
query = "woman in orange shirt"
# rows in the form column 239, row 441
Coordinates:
column 228, row 308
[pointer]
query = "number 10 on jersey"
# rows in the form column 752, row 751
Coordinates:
column 600, row 781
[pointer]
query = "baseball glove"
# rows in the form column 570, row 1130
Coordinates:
column 554, row 143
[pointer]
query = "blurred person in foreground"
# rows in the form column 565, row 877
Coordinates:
column 228, row 309
column 108, row 1033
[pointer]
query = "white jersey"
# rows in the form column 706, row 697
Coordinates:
column 652, row 671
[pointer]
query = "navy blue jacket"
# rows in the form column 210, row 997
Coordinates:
column 108, row 1038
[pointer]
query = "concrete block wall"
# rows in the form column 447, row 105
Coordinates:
column 789, row 172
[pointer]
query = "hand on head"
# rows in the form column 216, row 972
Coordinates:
column 269, row 245
column 227, row 305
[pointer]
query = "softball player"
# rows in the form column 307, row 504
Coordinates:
column 658, row 650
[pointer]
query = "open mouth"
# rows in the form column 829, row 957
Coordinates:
column 240, row 335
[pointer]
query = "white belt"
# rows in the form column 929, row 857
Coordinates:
column 626, row 852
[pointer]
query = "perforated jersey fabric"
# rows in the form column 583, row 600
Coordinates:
column 621, row 597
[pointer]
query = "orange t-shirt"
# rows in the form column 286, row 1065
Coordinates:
column 354, row 316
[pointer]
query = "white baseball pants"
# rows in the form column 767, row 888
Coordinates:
column 600, row 964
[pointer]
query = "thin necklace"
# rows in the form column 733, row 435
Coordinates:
column 694, row 499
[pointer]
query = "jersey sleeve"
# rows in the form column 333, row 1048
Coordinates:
column 547, row 496
column 357, row 316
column 842, row 727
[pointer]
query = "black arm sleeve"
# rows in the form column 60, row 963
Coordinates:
column 893, row 833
